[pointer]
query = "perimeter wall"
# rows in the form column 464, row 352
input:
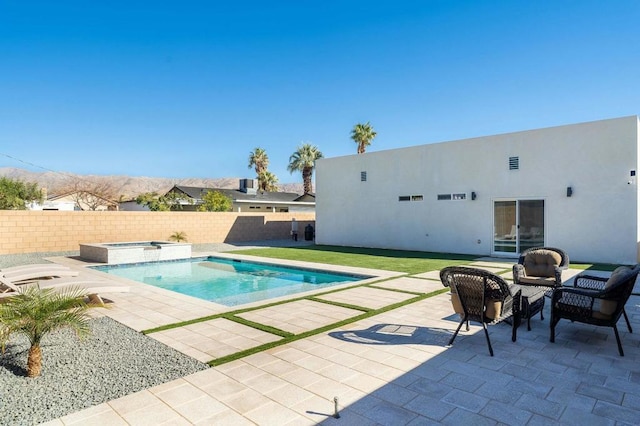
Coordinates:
column 49, row 231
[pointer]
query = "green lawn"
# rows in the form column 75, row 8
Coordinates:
column 410, row 262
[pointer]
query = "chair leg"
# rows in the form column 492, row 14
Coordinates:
column 486, row 334
column 615, row 330
column 552, row 328
column 462, row 321
column 626, row 318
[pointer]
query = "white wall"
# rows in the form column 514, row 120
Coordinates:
column 599, row 223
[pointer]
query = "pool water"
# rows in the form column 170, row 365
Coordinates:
column 228, row 282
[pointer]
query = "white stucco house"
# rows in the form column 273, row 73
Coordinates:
column 573, row 187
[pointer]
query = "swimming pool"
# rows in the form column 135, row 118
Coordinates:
column 227, row 281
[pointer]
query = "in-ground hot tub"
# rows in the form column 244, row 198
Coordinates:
column 134, row 252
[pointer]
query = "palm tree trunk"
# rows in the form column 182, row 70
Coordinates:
column 34, row 362
column 306, row 179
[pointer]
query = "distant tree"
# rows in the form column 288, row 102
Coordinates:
column 92, row 193
column 16, row 194
column 34, row 313
column 363, row 134
column 160, row 203
column 215, row 201
column 268, row 181
column 303, row 160
column 259, row 160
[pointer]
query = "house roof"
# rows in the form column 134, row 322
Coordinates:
column 197, row 192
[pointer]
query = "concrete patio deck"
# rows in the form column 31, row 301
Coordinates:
column 393, row 368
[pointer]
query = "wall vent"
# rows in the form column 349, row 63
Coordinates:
column 514, row 163
column 363, row 176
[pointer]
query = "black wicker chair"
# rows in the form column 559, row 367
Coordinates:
column 541, row 266
column 595, row 300
column 480, row 296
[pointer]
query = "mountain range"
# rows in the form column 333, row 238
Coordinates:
column 127, row 187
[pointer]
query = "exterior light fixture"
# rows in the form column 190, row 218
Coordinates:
column 569, row 191
column 473, row 195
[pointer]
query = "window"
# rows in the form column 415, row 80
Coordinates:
column 514, row 163
column 417, row 198
column 363, row 176
column 404, row 198
column 444, row 196
column 459, row 196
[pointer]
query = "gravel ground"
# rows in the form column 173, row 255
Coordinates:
column 111, row 362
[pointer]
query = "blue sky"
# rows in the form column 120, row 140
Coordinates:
column 189, row 88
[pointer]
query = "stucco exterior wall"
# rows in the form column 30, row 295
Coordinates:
column 598, row 223
column 48, row 231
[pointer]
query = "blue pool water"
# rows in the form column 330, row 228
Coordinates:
column 228, row 282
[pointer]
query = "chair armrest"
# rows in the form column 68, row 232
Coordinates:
column 518, row 272
column 559, row 292
column 589, row 282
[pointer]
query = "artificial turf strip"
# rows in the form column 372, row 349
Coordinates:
column 373, row 312
column 397, row 290
column 340, row 304
column 258, row 326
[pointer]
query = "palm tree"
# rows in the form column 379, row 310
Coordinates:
column 268, row 181
column 34, row 313
column 363, row 134
column 303, row 160
column 259, row 159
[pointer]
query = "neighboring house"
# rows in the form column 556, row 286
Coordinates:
column 71, row 201
column 248, row 199
column 132, row 206
column 573, row 187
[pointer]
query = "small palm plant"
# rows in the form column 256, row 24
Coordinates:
column 36, row 312
column 178, row 237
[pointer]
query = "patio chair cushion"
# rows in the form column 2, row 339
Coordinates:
column 542, row 263
column 493, row 308
column 545, row 281
column 618, row 276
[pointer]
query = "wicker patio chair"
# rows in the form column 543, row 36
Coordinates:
column 595, row 300
column 541, row 266
column 480, row 296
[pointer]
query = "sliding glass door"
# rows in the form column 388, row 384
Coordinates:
column 518, row 225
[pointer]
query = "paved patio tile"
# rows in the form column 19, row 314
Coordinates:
column 415, row 285
column 213, row 339
column 506, row 413
column 403, row 375
column 300, row 316
column 367, row 297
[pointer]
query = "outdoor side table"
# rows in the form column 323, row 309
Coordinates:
column 532, row 302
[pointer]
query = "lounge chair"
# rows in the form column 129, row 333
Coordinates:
column 595, row 300
column 480, row 296
column 93, row 287
column 541, row 266
column 39, row 273
column 32, row 266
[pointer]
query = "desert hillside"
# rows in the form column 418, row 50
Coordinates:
column 125, row 186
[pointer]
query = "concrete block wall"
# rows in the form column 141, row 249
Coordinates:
column 49, row 231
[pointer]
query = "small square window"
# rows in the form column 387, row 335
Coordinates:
column 404, row 198
column 417, row 198
column 459, row 196
column 444, row 196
